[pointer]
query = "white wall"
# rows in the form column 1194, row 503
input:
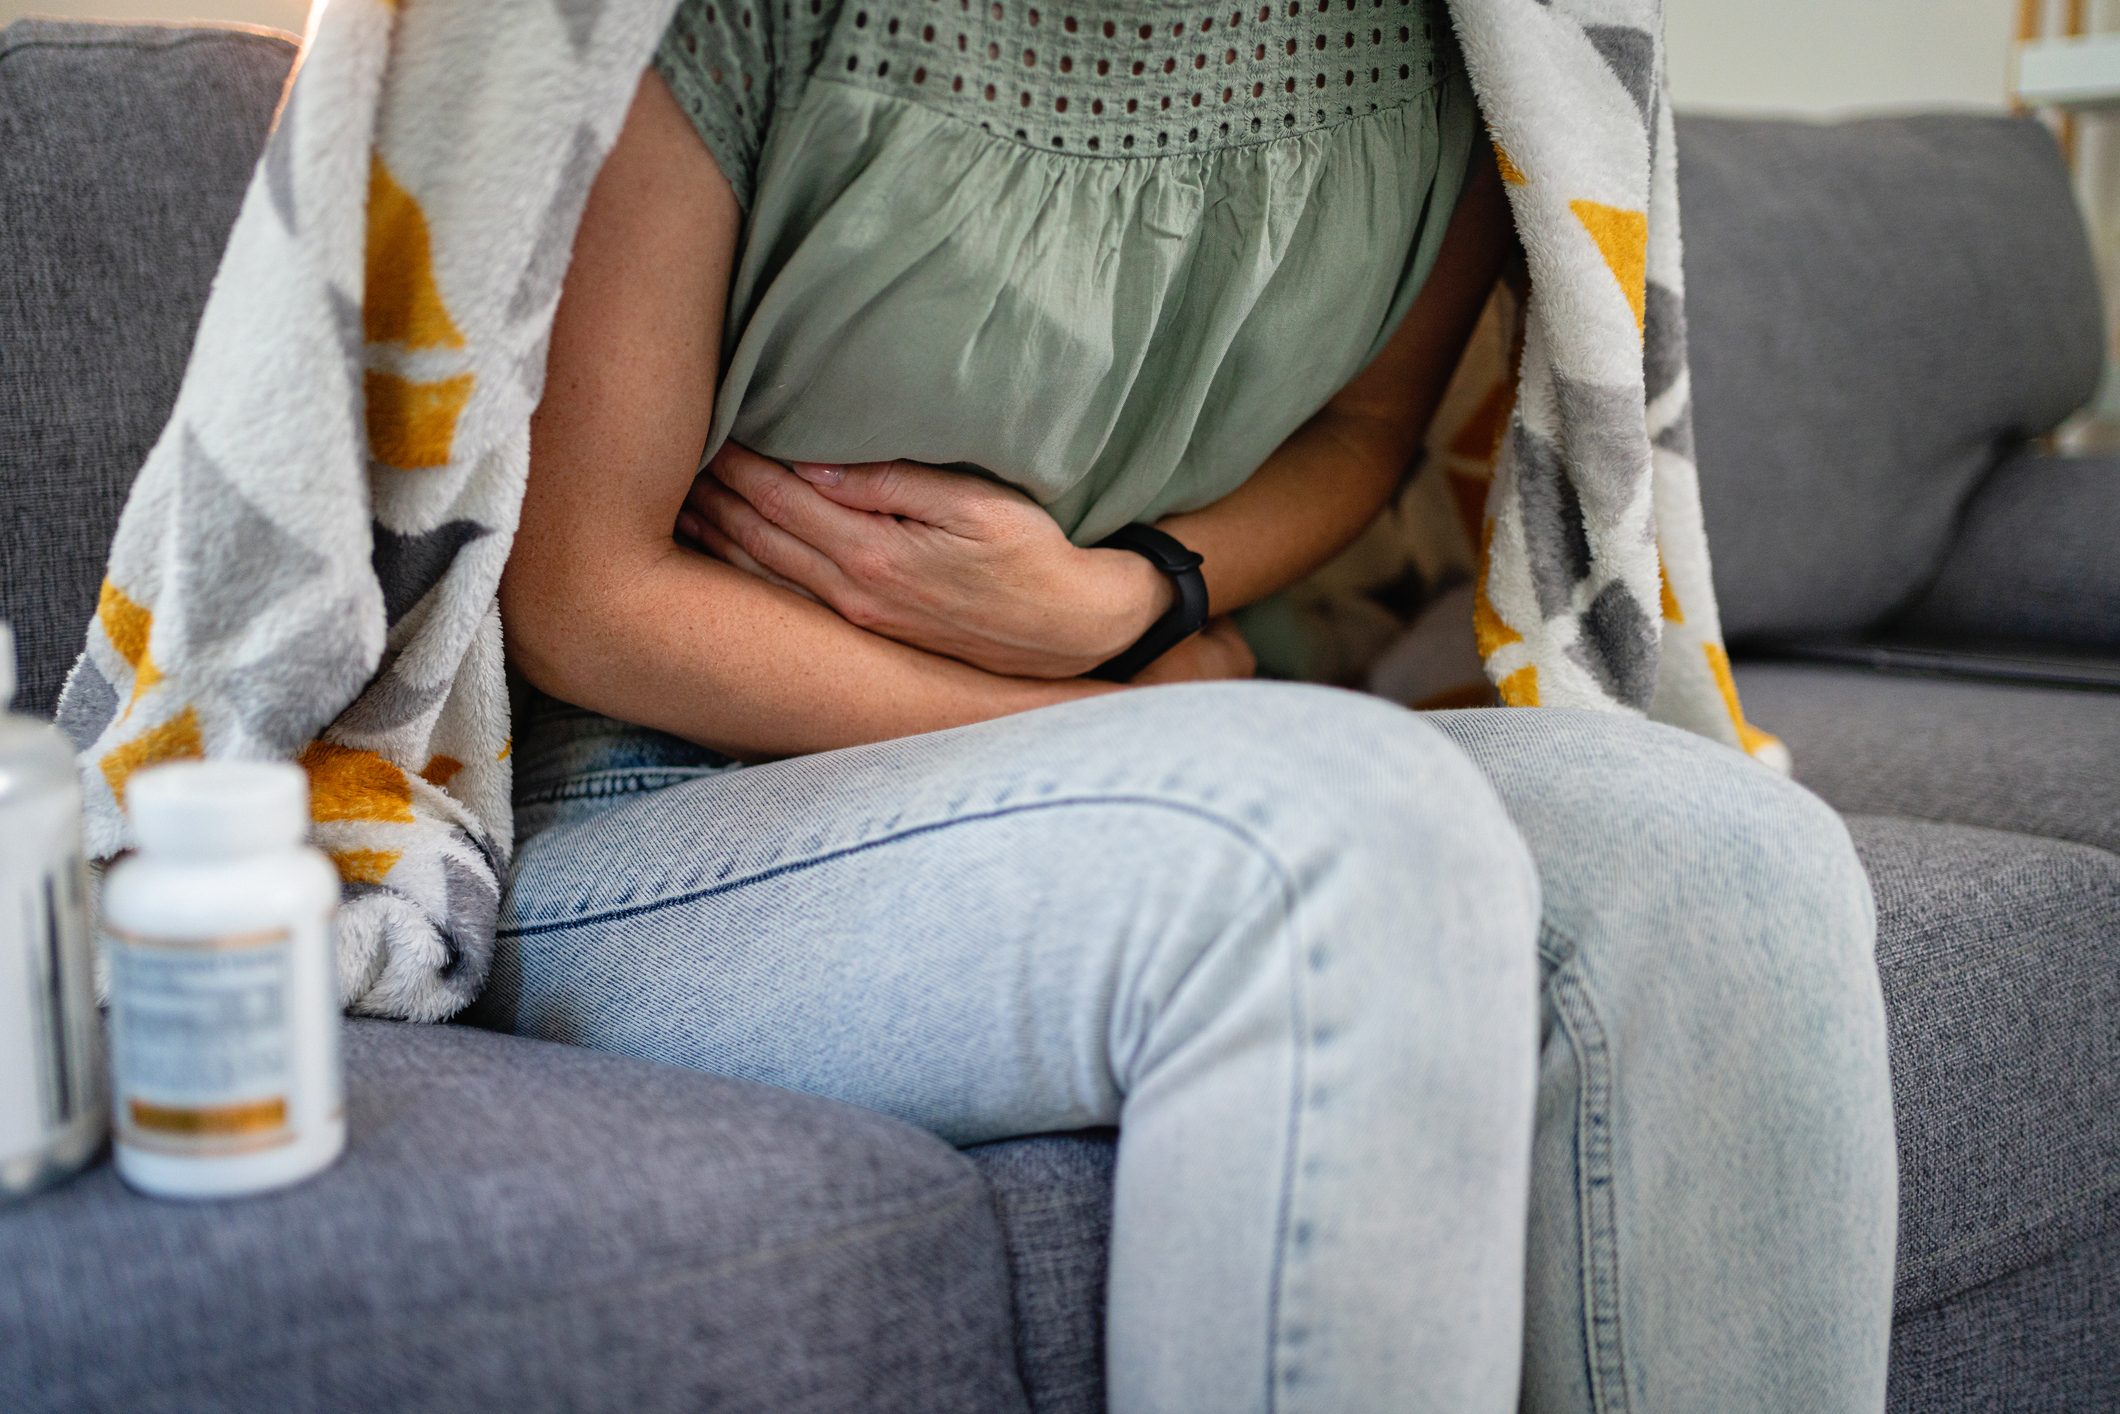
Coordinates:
column 1827, row 57
column 1819, row 58
column 280, row 14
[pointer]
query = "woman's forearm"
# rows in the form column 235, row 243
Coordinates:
column 1307, row 503
column 1331, row 478
column 706, row 652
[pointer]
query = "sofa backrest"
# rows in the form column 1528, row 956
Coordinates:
column 1879, row 310
column 124, row 153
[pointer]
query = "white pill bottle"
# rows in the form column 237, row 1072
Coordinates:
column 51, row 1078
column 224, row 1015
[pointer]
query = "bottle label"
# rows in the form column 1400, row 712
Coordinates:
column 48, row 1071
column 202, row 1035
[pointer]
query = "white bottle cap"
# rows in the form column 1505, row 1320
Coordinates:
column 218, row 809
column 7, row 664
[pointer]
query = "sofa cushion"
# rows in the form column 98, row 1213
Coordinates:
column 524, row 1225
column 124, row 152
column 2043, row 1338
column 1054, row 1195
column 1875, row 307
column 2000, row 955
column 2043, row 761
column 2000, row 958
column 2033, row 560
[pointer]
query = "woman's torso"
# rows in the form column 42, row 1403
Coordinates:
column 1110, row 253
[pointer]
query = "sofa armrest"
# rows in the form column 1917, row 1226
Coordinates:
column 2034, row 559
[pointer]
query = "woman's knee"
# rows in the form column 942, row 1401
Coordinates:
column 1368, row 806
column 1677, row 867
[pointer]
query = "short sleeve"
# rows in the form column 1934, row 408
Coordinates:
column 718, row 56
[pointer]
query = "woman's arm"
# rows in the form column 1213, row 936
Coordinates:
column 600, row 607
column 1330, row 479
column 965, row 567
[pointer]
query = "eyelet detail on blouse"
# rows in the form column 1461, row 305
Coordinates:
column 1083, row 68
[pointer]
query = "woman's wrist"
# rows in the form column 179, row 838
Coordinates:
column 1128, row 594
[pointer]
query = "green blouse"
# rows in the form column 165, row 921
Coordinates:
column 1112, row 254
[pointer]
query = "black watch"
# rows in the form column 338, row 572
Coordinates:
column 1183, row 619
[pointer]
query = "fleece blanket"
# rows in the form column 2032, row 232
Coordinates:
column 1558, row 493
column 306, row 568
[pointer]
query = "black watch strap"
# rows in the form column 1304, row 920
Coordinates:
column 1185, row 617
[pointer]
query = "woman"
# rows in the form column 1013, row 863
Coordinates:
column 1451, row 1055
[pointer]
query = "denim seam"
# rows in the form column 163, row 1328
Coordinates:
column 611, row 783
column 1283, row 879
column 791, row 866
column 1604, row 1336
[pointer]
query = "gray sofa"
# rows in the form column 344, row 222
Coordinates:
column 1884, row 313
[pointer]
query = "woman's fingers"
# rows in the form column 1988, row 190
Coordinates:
column 732, row 554
column 788, row 500
column 955, row 501
column 773, row 550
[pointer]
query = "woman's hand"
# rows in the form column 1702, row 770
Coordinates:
column 942, row 560
column 1216, row 652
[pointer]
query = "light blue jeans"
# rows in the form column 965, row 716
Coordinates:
column 1457, row 1058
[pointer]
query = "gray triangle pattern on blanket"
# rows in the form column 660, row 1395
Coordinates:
column 214, row 520
column 555, row 237
column 88, row 705
column 1631, row 55
column 389, row 701
column 580, row 17
column 276, row 697
column 279, row 162
column 408, row 566
column 1617, row 644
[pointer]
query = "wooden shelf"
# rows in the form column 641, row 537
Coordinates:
column 2077, row 74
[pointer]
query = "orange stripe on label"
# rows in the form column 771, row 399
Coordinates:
column 213, row 1121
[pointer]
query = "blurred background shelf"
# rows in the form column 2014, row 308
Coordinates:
column 2076, row 74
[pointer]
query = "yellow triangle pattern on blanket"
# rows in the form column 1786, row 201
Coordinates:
column 412, row 426
column 347, row 784
column 401, row 303
column 1670, row 601
column 364, row 866
column 127, row 625
column 1622, row 237
column 174, row 740
column 1511, row 173
column 1493, row 633
column 1751, row 738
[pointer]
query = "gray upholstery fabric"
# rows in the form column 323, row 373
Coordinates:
column 1874, row 305
column 525, row 1226
column 1054, row 1196
column 2044, row 761
column 114, row 206
column 2043, row 1340
column 2036, row 558
column 2000, row 955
